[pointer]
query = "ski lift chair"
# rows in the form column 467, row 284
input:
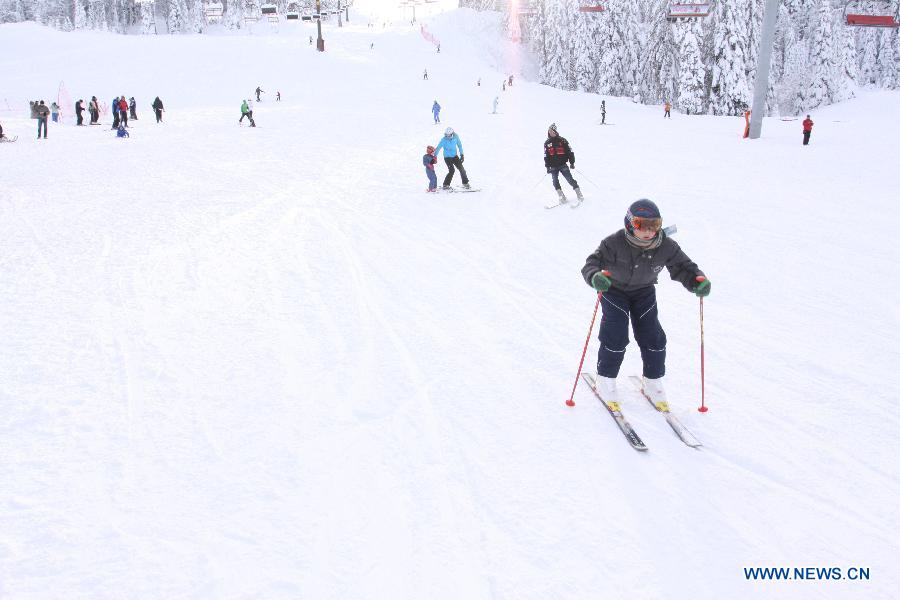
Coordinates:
column 213, row 11
column 688, row 10
column 854, row 18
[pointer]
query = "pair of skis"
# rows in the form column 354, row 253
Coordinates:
column 631, row 435
column 574, row 204
column 456, row 190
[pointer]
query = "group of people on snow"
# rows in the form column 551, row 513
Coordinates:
column 452, row 148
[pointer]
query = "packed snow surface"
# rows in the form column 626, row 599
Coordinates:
column 263, row 363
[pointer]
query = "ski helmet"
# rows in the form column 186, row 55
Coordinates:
column 448, row 132
column 643, row 210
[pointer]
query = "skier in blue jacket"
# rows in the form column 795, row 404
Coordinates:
column 436, row 109
column 453, row 157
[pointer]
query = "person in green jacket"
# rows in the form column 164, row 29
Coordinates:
column 246, row 111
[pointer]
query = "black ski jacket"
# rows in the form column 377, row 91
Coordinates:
column 633, row 268
column 557, row 152
column 157, row 104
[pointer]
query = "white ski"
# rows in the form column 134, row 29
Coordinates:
column 662, row 406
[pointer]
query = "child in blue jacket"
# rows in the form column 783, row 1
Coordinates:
column 122, row 132
column 429, row 161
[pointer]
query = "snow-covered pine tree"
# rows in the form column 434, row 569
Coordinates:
column 730, row 93
column 586, row 50
column 820, row 86
column 556, row 66
column 659, row 70
column 847, row 72
column 691, row 70
column 176, row 16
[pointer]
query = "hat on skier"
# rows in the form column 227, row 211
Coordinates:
column 643, row 214
column 448, row 132
column 430, row 149
column 552, row 128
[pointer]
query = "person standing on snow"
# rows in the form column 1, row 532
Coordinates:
column 277, row 96
column 158, row 109
column 624, row 269
column 603, row 112
column 807, row 130
column 436, row 109
column 123, row 111
column 54, row 112
column 79, row 112
column 496, row 102
column 42, row 113
column 425, row 74
column 453, row 157
column 557, row 152
column 258, row 92
column 114, row 107
column 94, row 109
column 668, row 112
column 132, row 108
column 247, row 111
column 429, row 160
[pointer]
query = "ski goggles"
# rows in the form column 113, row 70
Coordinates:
column 646, row 223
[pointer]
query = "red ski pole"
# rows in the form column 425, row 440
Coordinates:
column 571, row 400
column 703, row 407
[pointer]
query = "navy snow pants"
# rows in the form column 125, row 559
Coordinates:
column 640, row 305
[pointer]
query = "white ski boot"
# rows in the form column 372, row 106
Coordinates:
column 606, row 387
column 578, row 193
column 654, row 389
column 562, row 197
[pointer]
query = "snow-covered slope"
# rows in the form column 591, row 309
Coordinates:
column 262, row 363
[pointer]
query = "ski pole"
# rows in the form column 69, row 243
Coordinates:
column 571, row 400
column 588, row 178
column 703, row 407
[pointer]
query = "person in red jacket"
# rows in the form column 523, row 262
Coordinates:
column 123, row 111
column 807, row 130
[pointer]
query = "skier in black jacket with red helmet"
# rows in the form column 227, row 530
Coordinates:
column 557, row 153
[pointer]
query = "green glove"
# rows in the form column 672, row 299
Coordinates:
column 600, row 281
column 702, row 287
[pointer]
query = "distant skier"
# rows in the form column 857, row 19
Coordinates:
column 603, row 112
column 247, row 111
column 668, row 108
column 258, row 92
column 42, row 113
column 496, row 102
column 54, row 112
column 310, row 40
column 425, row 75
column 94, row 109
column 510, row 80
column 557, row 152
column 123, row 110
column 624, row 269
column 132, row 108
column 453, row 157
column 479, row 82
column 504, row 85
column 114, row 107
column 158, row 109
column 277, row 96
column 372, row 46
column 429, row 161
column 79, row 113
column 122, row 132
column 438, row 48
column 807, row 130
column 436, row 109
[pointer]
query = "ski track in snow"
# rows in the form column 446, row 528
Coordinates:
column 262, row 362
